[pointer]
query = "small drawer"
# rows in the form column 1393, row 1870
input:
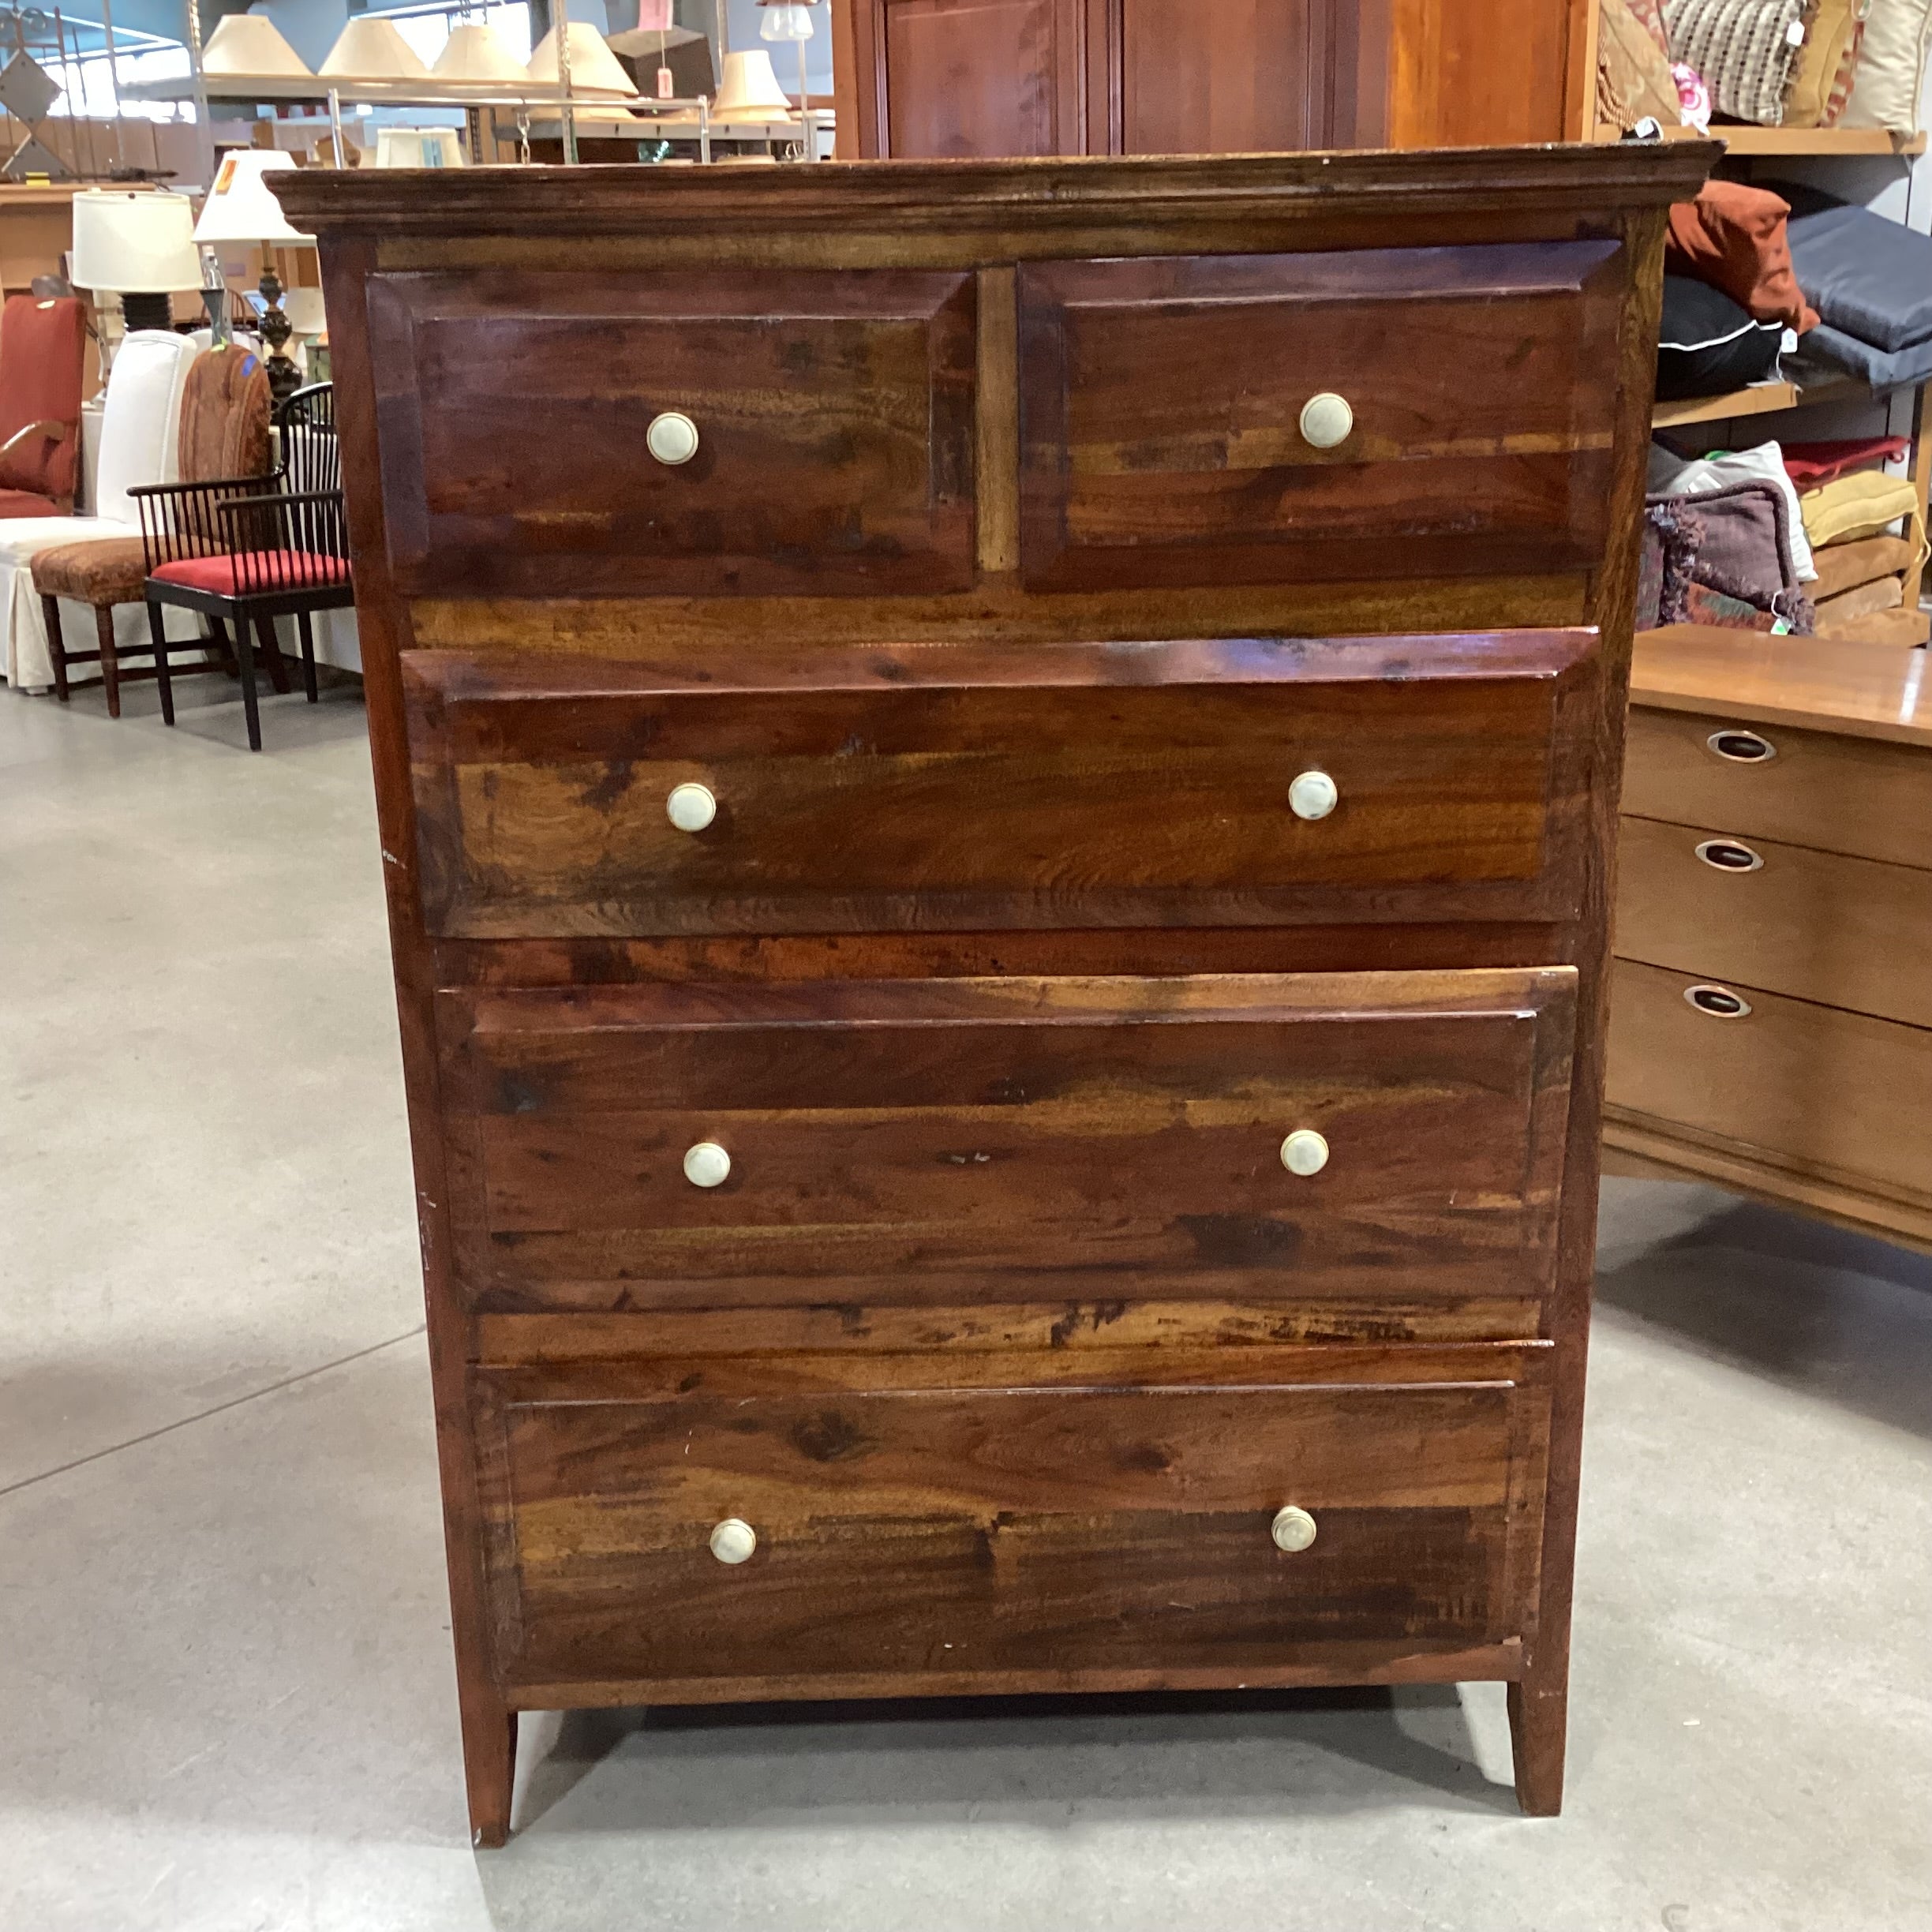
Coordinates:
column 1260, row 1138
column 692, row 433
column 1380, row 413
column 1833, row 794
column 1831, row 1093
column 1812, row 925
column 706, row 1546
column 974, row 787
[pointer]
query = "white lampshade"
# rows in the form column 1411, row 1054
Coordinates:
column 247, row 43
column 476, row 52
column 594, row 68
column 780, row 19
column 134, row 243
column 750, row 90
column 240, row 206
column 372, row 50
column 418, row 148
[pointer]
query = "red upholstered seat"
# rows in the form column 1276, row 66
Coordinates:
column 23, row 503
column 268, row 569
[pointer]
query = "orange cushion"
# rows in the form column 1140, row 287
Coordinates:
column 1734, row 238
column 41, row 344
column 268, row 570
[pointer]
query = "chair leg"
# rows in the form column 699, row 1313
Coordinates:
column 217, row 631
column 308, row 650
column 271, row 651
column 157, row 629
column 245, row 663
column 50, row 607
column 110, row 662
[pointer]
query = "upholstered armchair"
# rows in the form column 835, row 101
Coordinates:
column 42, row 344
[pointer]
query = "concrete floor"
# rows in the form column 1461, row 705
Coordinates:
column 224, row 1679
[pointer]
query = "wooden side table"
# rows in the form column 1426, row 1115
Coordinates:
column 1771, row 1005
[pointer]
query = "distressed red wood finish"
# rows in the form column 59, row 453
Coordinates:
column 1148, row 1202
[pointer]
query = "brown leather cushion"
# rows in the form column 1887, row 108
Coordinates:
column 224, row 419
column 41, row 344
column 101, row 570
column 24, row 503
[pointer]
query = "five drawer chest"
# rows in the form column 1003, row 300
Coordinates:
column 997, row 784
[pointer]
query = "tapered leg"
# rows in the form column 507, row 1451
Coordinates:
column 219, row 632
column 56, row 650
column 1538, row 1716
column 110, row 662
column 157, row 631
column 308, row 650
column 251, row 702
column 271, row 651
column 490, row 1735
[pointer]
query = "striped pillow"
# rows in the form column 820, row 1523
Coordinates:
column 1744, row 49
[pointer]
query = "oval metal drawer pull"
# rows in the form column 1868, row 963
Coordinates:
column 1312, row 795
column 671, row 438
column 1293, row 1530
column 1719, row 1001
column 706, row 1165
column 1742, row 748
column 1304, row 1152
column 1729, row 856
column 733, row 1540
column 690, row 807
column 1327, row 420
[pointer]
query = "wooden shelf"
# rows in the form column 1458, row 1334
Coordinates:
column 1760, row 399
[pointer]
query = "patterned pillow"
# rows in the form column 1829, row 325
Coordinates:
column 1744, row 49
column 1822, row 76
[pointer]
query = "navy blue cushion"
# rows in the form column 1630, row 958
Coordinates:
column 1869, row 279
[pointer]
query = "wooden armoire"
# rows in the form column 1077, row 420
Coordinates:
column 934, row 78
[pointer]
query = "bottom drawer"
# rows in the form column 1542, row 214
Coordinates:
column 1035, row 1535
column 1836, row 1094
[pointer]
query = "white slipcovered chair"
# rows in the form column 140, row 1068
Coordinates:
column 141, row 430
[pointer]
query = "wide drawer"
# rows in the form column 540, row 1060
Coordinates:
column 976, row 787
column 833, row 411
column 1815, row 926
column 1032, row 1534
column 1167, row 437
column 1830, row 1093
column 1831, row 793
column 1008, row 1140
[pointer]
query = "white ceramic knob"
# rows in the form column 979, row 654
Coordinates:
column 690, row 807
column 1327, row 420
column 734, row 1539
column 671, row 438
column 1312, row 795
column 706, row 1165
column 1305, row 1151
column 1293, row 1530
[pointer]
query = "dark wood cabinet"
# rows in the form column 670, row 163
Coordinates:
column 937, row 78
column 996, row 783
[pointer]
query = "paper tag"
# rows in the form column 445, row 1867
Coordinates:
column 663, row 84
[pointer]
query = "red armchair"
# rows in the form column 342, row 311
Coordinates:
column 42, row 343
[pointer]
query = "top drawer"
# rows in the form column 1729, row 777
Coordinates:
column 1162, row 415
column 832, row 414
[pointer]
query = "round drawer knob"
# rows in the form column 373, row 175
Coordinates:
column 1312, row 795
column 1327, row 420
column 1305, row 1151
column 734, row 1539
column 706, row 1165
column 690, row 807
column 1742, row 748
column 671, row 438
column 1293, row 1530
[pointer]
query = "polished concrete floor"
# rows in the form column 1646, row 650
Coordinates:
column 226, row 1702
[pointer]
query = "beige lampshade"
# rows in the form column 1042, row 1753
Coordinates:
column 247, row 43
column 241, row 207
column 478, row 53
column 134, row 243
column 750, row 90
column 639, row 41
column 372, row 50
column 594, row 68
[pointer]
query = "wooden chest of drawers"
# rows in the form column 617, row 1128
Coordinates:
column 995, row 783
column 1772, row 1006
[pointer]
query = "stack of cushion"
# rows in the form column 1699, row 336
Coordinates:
column 1871, row 281
column 1850, row 508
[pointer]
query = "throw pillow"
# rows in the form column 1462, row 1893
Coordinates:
column 1744, row 49
column 1891, row 59
column 1733, row 237
column 1827, row 63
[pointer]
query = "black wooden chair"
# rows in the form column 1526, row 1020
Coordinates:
column 242, row 558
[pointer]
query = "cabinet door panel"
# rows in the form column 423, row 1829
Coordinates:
column 1222, row 76
column 984, row 78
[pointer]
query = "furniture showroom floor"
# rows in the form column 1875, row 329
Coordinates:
column 224, row 1666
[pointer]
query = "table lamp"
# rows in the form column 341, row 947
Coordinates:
column 788, row 19
column 139, row 246
column 241, row 207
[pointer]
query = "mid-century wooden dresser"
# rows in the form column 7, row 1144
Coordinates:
column 997, row 783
